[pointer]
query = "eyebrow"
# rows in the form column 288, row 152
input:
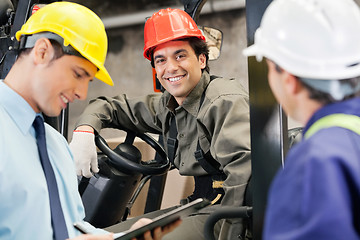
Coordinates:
column 87, row 74
column 176, row 52
column 158, row 56
column 179, row 51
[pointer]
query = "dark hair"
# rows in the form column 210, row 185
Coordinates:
column 323, row 97
column 199, row 46
column 58, row 51
column 326, row 98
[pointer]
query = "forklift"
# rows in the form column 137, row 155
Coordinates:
column 109, row 205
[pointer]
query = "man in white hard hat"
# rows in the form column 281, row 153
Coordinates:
column 312, row 49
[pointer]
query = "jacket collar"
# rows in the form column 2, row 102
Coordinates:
column 192, row 102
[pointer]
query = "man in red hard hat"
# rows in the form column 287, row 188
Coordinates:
column 203, row 119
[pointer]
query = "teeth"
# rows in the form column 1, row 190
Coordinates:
column 174, row 79
column 64, row 99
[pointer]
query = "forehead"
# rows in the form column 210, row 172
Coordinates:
column 81, row 63
column 172, row 46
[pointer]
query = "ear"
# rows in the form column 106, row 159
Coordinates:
column 202, row 60
column 43, row 51
column 292, row 83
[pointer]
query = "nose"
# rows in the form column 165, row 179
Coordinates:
column 81, row 90
column 172, row 65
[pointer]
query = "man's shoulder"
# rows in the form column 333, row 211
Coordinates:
column 328, row 146
column 221, row 87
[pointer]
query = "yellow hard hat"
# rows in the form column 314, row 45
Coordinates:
column 78, row 26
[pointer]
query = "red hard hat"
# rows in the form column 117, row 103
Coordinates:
column 167, row 25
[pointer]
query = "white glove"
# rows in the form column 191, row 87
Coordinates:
column 83, row 149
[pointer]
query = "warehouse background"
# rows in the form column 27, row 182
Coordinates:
column 131, row 72
column 124, row 21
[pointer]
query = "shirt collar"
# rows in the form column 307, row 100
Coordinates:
column 192, row 102
column 350, row 106
column 17, row 108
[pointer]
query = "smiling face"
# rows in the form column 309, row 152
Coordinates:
column 48, row 80
column 50, row 83
column 62, row 81
column 178, row 68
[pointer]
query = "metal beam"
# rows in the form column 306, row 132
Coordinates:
column 269, row 141
column 130, row 19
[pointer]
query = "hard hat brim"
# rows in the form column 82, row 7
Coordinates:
column 104, row 76
column 253, row 50
column 250, row 51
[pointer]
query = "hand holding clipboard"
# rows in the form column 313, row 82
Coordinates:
column 161, row 224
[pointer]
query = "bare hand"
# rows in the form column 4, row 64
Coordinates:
column 158, row 232
column 94, row 237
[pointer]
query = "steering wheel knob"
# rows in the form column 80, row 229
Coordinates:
column 127, row 158
column 129, row 152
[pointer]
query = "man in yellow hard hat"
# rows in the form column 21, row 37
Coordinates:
column 204, row 119
column 62, row 48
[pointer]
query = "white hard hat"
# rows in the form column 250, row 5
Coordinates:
column 316, row 39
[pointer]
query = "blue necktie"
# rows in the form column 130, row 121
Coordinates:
column 57, row 216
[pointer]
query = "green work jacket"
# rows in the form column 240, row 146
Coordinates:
column 221, row 125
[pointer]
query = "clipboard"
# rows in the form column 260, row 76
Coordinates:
column 166, row 218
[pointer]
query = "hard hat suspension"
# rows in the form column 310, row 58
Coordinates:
column 28, row 41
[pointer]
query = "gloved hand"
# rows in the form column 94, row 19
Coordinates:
column 83, row 149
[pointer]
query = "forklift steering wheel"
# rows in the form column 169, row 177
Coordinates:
column 152, row 167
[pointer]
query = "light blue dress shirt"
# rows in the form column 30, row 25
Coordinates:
column 24, row 201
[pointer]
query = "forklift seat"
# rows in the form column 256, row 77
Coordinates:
column 244, row 212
